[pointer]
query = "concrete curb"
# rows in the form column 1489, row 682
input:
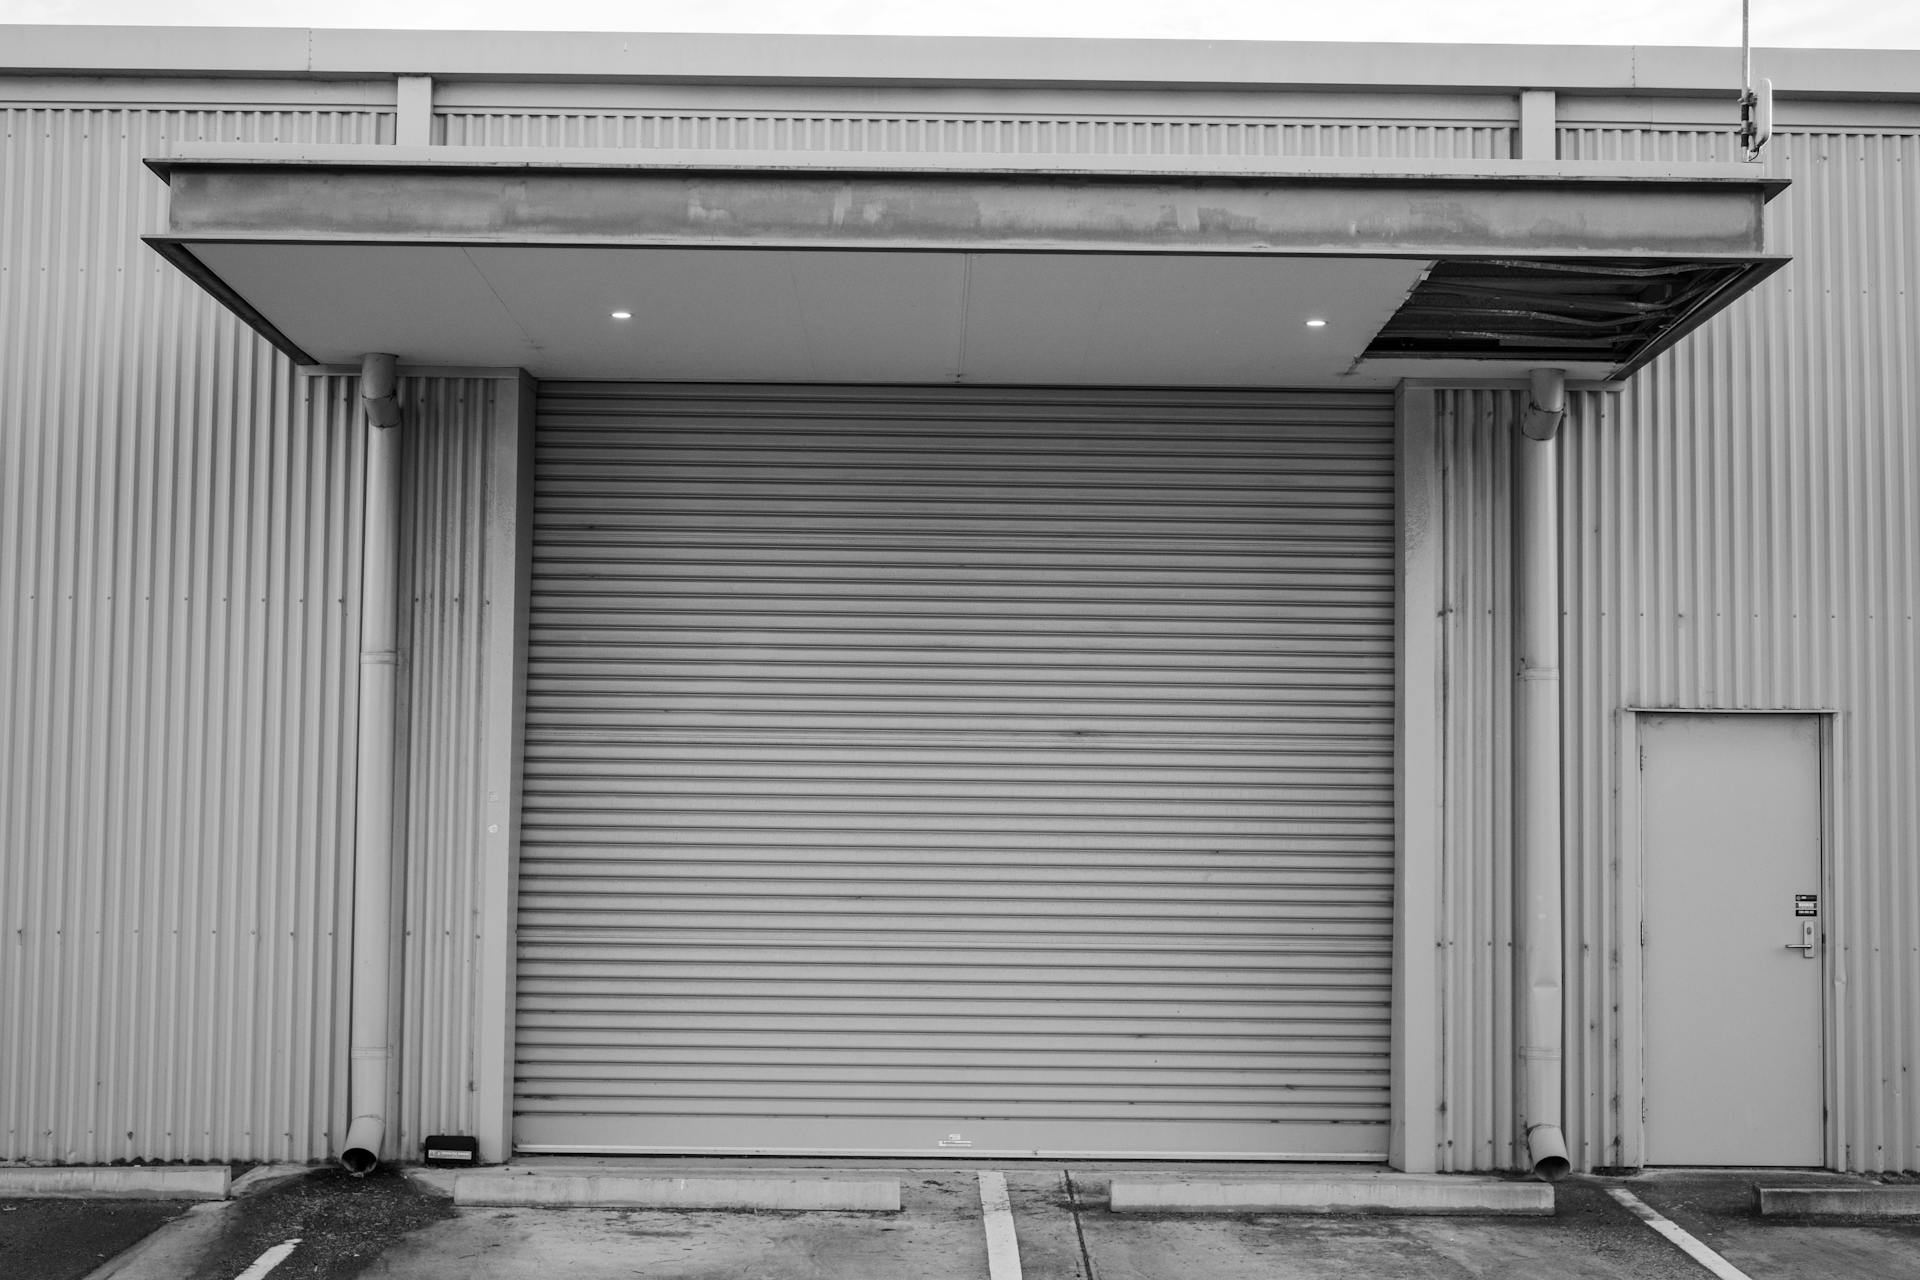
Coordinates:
column 120, row 1182
column 718, row 1191
column 1839, row 1202
column 171, row 1253
column 1318, row 1193
column 436, row 1182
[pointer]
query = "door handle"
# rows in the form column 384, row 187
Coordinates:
column 1809, row 941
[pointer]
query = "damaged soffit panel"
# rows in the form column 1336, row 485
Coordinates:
column 1559, row 311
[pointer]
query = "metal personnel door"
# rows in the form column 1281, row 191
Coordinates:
column 1735, row 933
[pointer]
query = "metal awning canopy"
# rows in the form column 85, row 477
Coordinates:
column 847, row 268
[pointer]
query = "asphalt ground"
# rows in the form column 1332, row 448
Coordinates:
column 1718, row 1209
column 60, row 1239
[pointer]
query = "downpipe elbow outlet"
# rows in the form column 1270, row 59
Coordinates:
column 380, row 389
column 360, row 1154
column 1547, row 1152
column 1546, row 404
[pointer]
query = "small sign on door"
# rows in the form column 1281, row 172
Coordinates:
column 1806, row 904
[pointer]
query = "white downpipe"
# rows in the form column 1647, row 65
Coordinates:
column 373, row 851
column 1536, row 783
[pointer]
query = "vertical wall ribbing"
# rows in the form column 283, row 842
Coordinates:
column 179, row 559
column 1739, row 533
column 1786, row 483
column 1477, row 1129
column 1013, row 133
column 442, row 618
column 178, row 565
column 178, row 599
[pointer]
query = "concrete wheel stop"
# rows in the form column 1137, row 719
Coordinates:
column 1898, row 1201
column 562, row 1189
column 119, row 1182
column 1328, row 1193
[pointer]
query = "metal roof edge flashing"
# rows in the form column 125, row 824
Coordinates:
column 983, row 62
column 339, row 369
column 361, row 156
column 181, row 255
column 1510, row 382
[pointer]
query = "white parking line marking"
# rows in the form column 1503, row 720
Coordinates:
column 268, row 1261
column 1687, row 1243
column 1003, row 1251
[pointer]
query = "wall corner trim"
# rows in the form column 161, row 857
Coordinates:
column 509, row 553
column 1415, row 1052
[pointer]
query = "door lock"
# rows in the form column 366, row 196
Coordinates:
column 1809, row 940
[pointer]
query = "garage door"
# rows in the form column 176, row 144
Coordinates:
column 958, row 772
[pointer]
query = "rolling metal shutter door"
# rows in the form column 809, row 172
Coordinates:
column 973, row 772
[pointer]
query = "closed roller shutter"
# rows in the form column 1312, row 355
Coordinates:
column 975, row 772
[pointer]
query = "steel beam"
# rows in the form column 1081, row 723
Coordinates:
column 1435, row 216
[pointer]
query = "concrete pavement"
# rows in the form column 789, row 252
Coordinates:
column 1062, row 1224
column 937, row 1235
column 1066, row 1231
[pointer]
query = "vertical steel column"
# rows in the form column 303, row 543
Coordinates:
column 373, row 847
column 1536, row 770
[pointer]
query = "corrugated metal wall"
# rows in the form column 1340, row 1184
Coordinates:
column 178, row 559
column 912, row 133
column 442, row 588
column 179, row 566
column 179, row 526
column 1476, row 1123
column 178, row 516
column 1739, row 532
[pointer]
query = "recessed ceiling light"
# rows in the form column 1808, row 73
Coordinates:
column 1316, row 324
column 628, row 315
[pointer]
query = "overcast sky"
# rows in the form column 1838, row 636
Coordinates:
column 1863, row 24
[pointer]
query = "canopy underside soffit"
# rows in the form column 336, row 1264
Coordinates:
column 1110, row 278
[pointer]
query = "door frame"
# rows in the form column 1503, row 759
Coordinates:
column 1414, row 1022
column 1631, row 941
